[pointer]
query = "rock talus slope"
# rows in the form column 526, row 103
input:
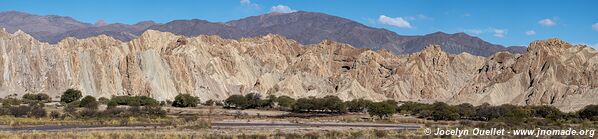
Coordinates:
column 162, row 65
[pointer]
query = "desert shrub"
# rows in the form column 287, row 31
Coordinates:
column 89, row 102
column 153, row 111
column 103, row 100
column 20, row 111
column 70, row 109
column 88, row 113
column 9, row 101
column 36, row 103
column 506, row 112
column 111, row 104
column 134, row 101
column 381, row 109
column 37, row 97
column 589, row 112
column 38, row 112
column 547, row 112
column 54, row 115
column 254, row 100
column 380, row 133
column 185, row 100
column 209, row 102
column 358, row 105
column 115, row 112
column 236, row 101
column 70, row 95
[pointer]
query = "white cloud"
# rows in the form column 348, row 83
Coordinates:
column 282, row 9
column 547, row 22
column 500, row 33
column 595, row 26
column 248, row 3
column 466, row 14
column 398, row 21
column 531, row 32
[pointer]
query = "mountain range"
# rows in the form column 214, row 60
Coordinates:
column 304, row 27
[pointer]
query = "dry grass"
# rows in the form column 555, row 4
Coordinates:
column 19, row 121
column 211, row 133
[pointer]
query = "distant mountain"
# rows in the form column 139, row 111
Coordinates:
column 311, row 27
column 197, row 27
column 457, row 43
column 304, row 27
column 40, row 27
column 118, row 31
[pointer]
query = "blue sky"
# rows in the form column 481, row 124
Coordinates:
column 505, row 22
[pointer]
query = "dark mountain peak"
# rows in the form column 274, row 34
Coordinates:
column 145, row 24
column 439, row 33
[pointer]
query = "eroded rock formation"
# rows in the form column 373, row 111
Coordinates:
column 162, row 65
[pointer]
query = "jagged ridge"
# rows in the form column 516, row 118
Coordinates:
column 161, row 65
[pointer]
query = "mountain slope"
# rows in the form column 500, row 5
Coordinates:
column 40, row 27
column 162, row 65
column 305, row 27
column 311, row 27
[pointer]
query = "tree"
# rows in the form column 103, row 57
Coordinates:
column 70, row 95
column 548, row 112
column 236, row 101
column 103, row 100
column 589, row 112
column 285, row 102
column 305, row 104
column 358, row 105
column 254, row 100
column 465, row 110
column 442, row 111
column 333, row 104
column 381, row 109
column 185, row 100
column 89, row 102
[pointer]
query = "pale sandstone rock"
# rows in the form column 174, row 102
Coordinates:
column 162, row 65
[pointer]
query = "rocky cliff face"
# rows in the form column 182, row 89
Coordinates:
column 162, row 65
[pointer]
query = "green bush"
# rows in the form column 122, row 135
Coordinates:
column 7, row 102
column 70, row 95
column 285, row 102
column 37, row 97
column 89, row 102
column 20, row 111
column 589, row 112
column 358, row 105
column 134, row 101
column 236, row 101
column 38, row 112
column 547, row 112
column 442, row 111
column 103, row 100
column 185, row 100
column 382, row 109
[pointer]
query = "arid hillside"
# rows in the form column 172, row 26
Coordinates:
column 162, row 65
